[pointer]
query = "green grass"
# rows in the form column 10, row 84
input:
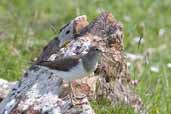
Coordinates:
column 103, row 106
column 25, row 29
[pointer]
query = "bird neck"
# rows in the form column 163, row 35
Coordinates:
column 90, row 61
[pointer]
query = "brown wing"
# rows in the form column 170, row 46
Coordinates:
column 49, row 49
column 64, row 64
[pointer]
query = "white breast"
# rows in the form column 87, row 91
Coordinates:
column 75, row 73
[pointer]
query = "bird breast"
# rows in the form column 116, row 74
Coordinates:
column 74, row 73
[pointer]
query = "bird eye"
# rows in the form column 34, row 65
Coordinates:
column 67, row 32
column 97, row 49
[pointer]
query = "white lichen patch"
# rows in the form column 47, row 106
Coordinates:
column 43, row 92
column 76, row 47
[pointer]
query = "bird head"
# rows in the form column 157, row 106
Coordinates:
column 66, row 34
column 70, row 30
column 94, row 51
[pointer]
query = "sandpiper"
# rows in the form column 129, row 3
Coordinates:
column 75, row 67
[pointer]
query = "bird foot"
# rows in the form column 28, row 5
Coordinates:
column 78, row 100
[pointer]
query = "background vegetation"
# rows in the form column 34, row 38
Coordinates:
column 26, row 26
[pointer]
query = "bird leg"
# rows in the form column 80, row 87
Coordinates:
column 71, row 95
column 74, row 99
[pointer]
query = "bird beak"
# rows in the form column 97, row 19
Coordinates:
column 64, row 44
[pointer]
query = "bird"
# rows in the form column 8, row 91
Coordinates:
column 67, row 33
column 72, row 29
column 75, row 67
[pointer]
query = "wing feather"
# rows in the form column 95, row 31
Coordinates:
column 64, row 64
